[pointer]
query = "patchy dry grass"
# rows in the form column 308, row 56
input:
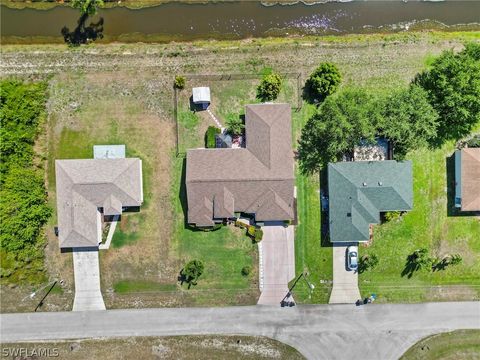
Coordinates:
column 172, row 347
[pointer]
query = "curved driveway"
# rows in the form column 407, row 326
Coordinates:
column 375, row 331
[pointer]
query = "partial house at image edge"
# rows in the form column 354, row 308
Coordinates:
column 360, row 191
column 88, row 189
column 258, row 179
column 467, row 179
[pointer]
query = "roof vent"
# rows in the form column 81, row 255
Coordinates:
column 364, row 184
column 380, row 183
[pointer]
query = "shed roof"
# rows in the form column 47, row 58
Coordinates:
column 359, row 191
column 84, row 186
column 470, row 179
column 201, row 94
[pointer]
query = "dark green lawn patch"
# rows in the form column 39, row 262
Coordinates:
column 455, row 345
column 133, row 286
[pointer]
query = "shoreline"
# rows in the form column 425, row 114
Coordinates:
column 11, row 43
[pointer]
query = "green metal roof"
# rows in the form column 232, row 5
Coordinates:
column 359, row 191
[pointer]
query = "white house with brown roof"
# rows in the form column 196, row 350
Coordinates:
column 467, row 179
column 257, row 179
column 88, row 189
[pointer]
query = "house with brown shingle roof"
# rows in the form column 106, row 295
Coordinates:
column 467, row 179
column 88, row 189
column 257, row 179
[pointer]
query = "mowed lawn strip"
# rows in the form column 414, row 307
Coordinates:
column 458, row 345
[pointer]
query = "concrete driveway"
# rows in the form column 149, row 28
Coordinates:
column 87, row 281
column 277, row 263
column 345, row 283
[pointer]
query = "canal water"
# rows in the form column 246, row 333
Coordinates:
column 245, row 19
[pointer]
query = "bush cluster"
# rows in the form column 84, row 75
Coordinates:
column 269, row 87
column 23, row 198
column 210, row 139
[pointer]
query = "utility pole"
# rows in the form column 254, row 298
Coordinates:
column 311, row 287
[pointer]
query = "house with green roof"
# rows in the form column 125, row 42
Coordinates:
column 359, row 191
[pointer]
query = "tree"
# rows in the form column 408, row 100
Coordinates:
column 269, row 87
column 338, row 125
column 87, row 7
column 179, row 82
column 408, row 120
column 367, row 262
column 453, row 86
column 234, row 124
column 324, row 81
column 422, row 259
column 192, row 271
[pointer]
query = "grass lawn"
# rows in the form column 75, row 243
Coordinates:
column 432, row 224
column 455, row 345
column 170, row 348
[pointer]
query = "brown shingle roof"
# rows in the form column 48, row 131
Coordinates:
column 471, row 179
column 255, row 179
column 85, row 185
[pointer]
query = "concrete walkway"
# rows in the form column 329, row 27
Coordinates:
column 87, row 281
column 345, row 283
column 375, row 331
column 278, row 262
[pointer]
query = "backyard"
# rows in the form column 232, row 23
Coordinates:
column 122, row 94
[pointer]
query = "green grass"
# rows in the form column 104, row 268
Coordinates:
column 429, row 225
column 135, row 286
column 224, row 252
column 458, row 345
column 310, row 255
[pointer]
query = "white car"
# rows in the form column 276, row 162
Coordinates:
column 352, row 258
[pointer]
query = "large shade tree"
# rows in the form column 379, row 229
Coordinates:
column 323, row 81
column 341, row 122
column 408, row 120
column 453, row 85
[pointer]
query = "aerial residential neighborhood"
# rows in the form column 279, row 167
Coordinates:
column 240, row 180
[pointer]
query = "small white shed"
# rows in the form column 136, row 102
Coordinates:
column 201, row 95
column 108, row 151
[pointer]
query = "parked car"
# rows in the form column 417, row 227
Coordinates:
column 352, row 258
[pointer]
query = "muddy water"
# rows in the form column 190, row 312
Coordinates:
column 244, row 19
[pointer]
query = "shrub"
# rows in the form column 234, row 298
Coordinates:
column 367, row 262
column 323, row 81
column 234, row 124
column 392, row 215
column 241, row 224
column 179, row 82
column 255, row 233
column 210, row 141
column 87, row 7
column 269, row 87
column 192, row 271
column 246, row 270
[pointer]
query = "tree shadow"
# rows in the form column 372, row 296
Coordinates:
column 441, row 265
column 309, row 97
column 451, row 209
column 83, row 34
column 410, row 266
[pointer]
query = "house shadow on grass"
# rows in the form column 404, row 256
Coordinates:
column 324, row 216
column 451, row 209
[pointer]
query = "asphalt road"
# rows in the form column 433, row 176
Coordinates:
column 372, row 331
